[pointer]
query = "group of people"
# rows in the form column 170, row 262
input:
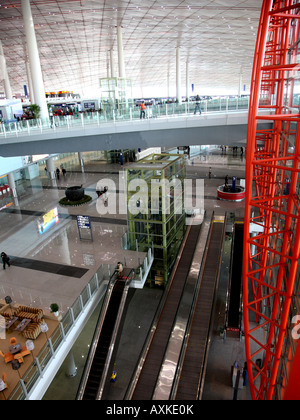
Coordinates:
column 63, row 170
column 58, row 172
column 234, row 150
column 197, row 108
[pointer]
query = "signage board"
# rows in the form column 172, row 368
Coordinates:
column 84, row 224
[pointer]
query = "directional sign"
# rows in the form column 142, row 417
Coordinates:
column 84, row 222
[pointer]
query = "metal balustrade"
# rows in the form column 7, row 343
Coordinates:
column 98, row 118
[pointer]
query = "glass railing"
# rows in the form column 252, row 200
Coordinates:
column 108, row 115
column 60, row 334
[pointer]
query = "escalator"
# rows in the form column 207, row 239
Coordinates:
column 235, row 295
column 192, row 365
column 144, row 381
column 96, row 368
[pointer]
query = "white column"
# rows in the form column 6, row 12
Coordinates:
column 187, row 80
column 112, row 65
column 34, row 60
column 168, row 83
column 72, row 371
column 240, row 83
column 81, row 161
column 121, row 53
column 178, row 76
column 11, row 183
column 7, row 87
column 50, row 168
column 29, row 79
column 107, row 65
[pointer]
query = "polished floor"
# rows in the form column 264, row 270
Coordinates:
column 54, row 265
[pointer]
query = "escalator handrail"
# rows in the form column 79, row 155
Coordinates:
column 230, row 288
column 96, row 337
column 114, row 337
column 228, row 297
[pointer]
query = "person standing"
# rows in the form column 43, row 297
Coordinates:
column 198, row 105
column 120, row 268
column 57, row 172
column 5, row 260
column 143, row 109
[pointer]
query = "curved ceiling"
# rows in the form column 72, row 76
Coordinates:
column 217, row 37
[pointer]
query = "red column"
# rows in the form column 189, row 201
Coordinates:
column 293, row 387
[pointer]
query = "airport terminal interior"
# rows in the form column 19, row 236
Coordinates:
column 30, row 282
column 149, row 200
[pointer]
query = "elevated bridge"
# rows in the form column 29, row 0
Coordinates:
column 223, row 128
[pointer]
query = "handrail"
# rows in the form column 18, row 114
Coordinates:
column 114, row 337
column 99, row 118
column 95, row 340
column 227, row 303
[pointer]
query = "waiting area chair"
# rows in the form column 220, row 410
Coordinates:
column 4, row 378
column 13, row 341
column 19, row 358
column 8, row 357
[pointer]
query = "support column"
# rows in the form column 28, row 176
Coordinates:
column 112, row 65
column 121, row 53
column 29, row 79
column 292, row 392
column 34, row 60
column 7, row 87
column 50, row 168
column 187, row 80
column 240, row 83
column 81, row 161
column 72, row 371
column 178, row 76
column 12, row 185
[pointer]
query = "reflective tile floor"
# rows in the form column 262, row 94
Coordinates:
column 51, row 264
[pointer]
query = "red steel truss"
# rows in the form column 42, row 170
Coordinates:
column 271, row 252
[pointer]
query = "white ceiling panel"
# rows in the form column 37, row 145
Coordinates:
column 217, row 37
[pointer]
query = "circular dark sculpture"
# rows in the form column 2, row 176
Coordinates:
column 74, row 193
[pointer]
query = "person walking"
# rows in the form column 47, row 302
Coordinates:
column 57, row 173
column 198, row 105
column 5, row 260
column 143, row 109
